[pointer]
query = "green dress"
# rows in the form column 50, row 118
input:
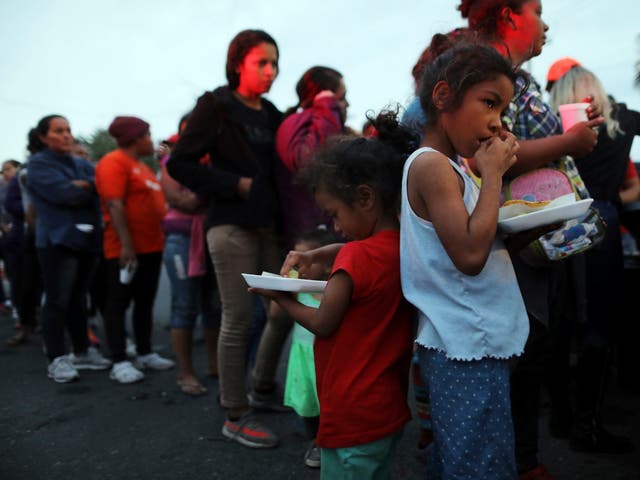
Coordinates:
column 300, row 391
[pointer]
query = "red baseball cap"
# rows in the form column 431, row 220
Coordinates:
column 173, row 139
column 560, row 67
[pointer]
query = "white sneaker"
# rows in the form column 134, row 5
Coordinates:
column 61, row 370
column 125, row 372
column 154, row 362
column 92, row 360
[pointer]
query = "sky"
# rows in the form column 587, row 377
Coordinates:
column 93, row 60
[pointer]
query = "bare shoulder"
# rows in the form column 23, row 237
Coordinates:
column 433, row 162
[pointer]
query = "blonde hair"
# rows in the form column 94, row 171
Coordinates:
column 577, row 84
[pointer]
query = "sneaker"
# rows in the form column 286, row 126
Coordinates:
column 92, row 360
column 268, row 402
column 61, row 370
column 249, row 432
column 540, row 472
column 154, row 362
column 597, row 439
column 312, row 456
column 125, row 372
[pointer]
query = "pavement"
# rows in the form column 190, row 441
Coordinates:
column 96, row 429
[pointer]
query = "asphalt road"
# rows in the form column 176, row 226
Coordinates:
column 96, row 429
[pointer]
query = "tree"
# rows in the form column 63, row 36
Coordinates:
column 101, row 142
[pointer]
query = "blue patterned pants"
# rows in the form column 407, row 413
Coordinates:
column 470, row 416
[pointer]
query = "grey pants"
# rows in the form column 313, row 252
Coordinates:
column 235, row 250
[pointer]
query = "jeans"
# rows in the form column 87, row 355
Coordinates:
column 65, row 274
column 190, row 296
column 142, row 291
column 235, row 250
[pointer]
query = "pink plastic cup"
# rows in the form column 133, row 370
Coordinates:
column 572, row 113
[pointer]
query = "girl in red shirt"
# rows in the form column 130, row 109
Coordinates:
column 363, row 325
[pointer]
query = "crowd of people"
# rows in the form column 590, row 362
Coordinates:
column 419, row 276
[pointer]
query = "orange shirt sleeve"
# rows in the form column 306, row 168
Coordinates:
column 112, row 175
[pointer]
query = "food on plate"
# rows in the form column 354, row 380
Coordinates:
column 543, row 203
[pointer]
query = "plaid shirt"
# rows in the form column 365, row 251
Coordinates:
column 529, row 117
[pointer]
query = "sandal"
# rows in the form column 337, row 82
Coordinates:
column 190, row 388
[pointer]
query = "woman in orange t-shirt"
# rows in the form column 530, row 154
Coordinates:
column 133, row 208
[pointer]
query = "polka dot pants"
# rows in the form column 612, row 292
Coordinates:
column 471, row 418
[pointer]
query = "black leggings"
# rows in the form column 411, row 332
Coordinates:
column 65, row 275
column 142, row 290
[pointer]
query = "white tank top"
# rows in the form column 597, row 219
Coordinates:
column 466, row 317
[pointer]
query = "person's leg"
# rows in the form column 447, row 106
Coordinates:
column 12, row 268
column 145, row 286
column 16, row 272
column 118, row 297
column 470, row 416
column 526, row 382
column 77, row 322
column 278, row 326
column 184, row 309
column 29, row 288
column 604, row 265
column 421, row 397
column 234, row 250
column 567, row 310
column 256, row 329
column 211, row 312
column 59, row 270
column 98, row 287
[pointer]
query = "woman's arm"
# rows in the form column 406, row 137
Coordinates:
column 198, row 138
column 119, row 221
column 297, row 140
column 578, row 142
column 52, row 185
column 176, row 195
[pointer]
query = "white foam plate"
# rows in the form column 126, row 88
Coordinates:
column 271, row 281
column 543, row 216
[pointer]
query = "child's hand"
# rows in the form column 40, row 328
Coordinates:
column 497, row 154
column 272, row 294
column 300, row 261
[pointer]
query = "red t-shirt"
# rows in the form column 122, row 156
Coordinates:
column 120, row 176
column 362, row 370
